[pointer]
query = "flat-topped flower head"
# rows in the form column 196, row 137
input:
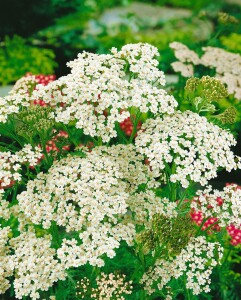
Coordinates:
column 107, row 287
column 10, row 164
column 35, row 266
column 195, row 262
column 184, row 54
column 5, row 259
column 193, row 148
column 222, row 60
column 101, row 88
column 88, row 195
column 227, row 212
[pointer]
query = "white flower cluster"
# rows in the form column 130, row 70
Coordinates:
column 10, row 164
column 109, row 286
column 192, row 146
column 9, row 169
column 101, row 88
column 187, row 58
column 233, row 83
column 144, row 205
column 130, row 165
column 5, row 266
column 226, row 64
column 30, row 155
column 141, row 58
column 34, row 264
column 112, row 286
column 184, row 54
column 186, row 70
column 196, row 261
column 222, row 60
column 25, row 84
column 18, row 96
column 4, row 207
column 229, row 212
column 88, row 195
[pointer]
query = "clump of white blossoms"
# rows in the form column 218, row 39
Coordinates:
column 9, row 169
column 5, row 258
column 193, row 148
column 222, row 60
column 4, row 206
column 101, row 88
column 25, row 85
column 227, row 65
column 30, row 155
column 195, row 262
column 35, row 266
column 10, row 164
column 233, row 83
column 18, row 96
column 144, row 205
column 109, row 286
column 229, row 212
column 88, row 195
column 186, row 59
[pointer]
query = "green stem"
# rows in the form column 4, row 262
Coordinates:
column 46, row 156
column 142, row 295
column 55, row 234
column 188, row 294
column 226, row 257
column 100, row 141
column 200, row 227
column 173, row 192
column 182, row 198
column 15, row 190
column 135, row 123
column 215, row 36
column 121, row 134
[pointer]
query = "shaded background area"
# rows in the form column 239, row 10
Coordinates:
column 41, row 36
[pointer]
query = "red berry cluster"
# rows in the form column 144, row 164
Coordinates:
column 233, row 231
column 51, row 145
column 128, row 127
column 42, row 79
column 210, row 224
column 235, row 235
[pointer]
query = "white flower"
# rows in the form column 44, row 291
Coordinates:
column 35, row 266
column 90, row 196
column 229, row 212
column 222, row 60
column 233, row 83
column 10, row 164
column 189, row 144
column 101, row 89
column 184, row 54
column 186, row 70
column 5, row 260
column 193, row 262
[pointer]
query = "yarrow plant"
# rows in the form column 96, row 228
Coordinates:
column 105, row 183
column 226, row 65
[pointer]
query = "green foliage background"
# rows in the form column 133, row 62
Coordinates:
column 41, row 37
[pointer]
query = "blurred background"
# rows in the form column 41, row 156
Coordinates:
column 41, row 36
